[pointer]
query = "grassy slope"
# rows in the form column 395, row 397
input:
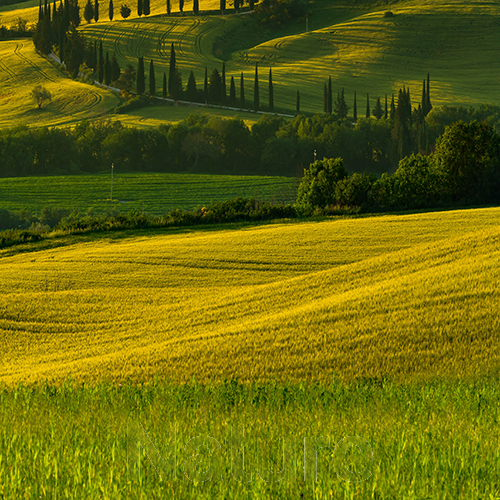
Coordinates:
column 363, row 52
column 160, row 192
column 398, row 296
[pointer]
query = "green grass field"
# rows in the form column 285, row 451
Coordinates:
column 362, row 50
column 159, row 192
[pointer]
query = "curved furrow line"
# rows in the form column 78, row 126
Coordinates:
column 205, row 30
column 7, row 70
column 194, row 25
column 161, row 41
column 145, row 35
column 17, row 52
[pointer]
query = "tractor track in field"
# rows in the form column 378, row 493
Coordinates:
column 194, row 25
column 161, row 39
column 17, row 52
column 201, row 34
column 8, row 70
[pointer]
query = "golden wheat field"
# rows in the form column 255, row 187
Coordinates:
column 398, row 296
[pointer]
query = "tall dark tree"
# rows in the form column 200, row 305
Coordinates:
column 88, row 12
column 297, row 104
column 223, row 84
column 146, row 7
column 40, row 11
column 377, row 110
column 100, row 75
column 169, row 7
column 139, row 8
column 196, row 6
column 251, row 3
column 367, row 106
column 181, row 5
column 74, row 51
column 222, row 6
column 141, row 79
column 205, row 86
column 236, row 5
column 115, row 69
column 107, row 70
column 330, row 102
column 242, row 91
column 152, row 78
column 125, row 11
column 424, row 98
column 62, row 42
column 355, row 109
column 164, row 92
column 74, row 13
column 111, row 10
column 171, row 69
column 96, row 11
column 214, row 87
column 393, row 108
column 191, row 91
column 256, row 103
column 271, row 91
column 232, row 93
column 176, row 88
column 402, row 129
column 325, row 98
column 429, row 105
column 341, row 108
column 386, row 110
column 95, row 58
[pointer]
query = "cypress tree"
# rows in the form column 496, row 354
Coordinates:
column 88, row 13
column 256, row 89
column 171, row 70
column 385, row 109
column 94, row 57
column 40, row 12
column 341, row 108
column 169, row 7
column 205, row 86
column 271, row 91
column 111, row 10
column 96, row 11
column 367, row 106
column 141, row 83
column 223, row 84
column 181, row 5
column 236, row 5
column 424, row 99
column 191, row 93
column 107, row 70
column 164, row 93
column 330, row 107
column 146, row 8
column 232, row 93
column 393, row 108
column 214, row 87
column 196, row 6
column 139, row 8
column 251, row 3
column 325, row 99
column 377, row 110
column 222, row 6
column 115, row 69
column 100, row 76
column 429, row 105
column 355, row 109
column 297, row 104
column 242, row 92
column 152, row 78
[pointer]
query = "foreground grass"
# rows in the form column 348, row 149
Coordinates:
column 154, row 193
column 406, row 297
column 364, row 440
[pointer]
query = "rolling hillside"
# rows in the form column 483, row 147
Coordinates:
column 362, row 50
column 398, row 296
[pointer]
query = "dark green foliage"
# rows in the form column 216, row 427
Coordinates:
column 139, row 8
column 341, row 108
column 329, row 101
column 171, row 69
column 214, row 87
column 146, row 9
column 111, row 10
column 128, row 78
column 115, row 69
column 88, row 12
column 191, row 92
column 169, row 7
column 367, row 106
column 271, row 91
column 428, row 94
column 242, row 91
column 386, row 110
column 236, row 5
column 181, row 5
column 232, row 93
column 278, row 13
column 223, row 84
column 222, row 6
column 196, row 6
column 468, row 159
column 355, row 191
column 325, row 98
column 100, row 76
column 107, row 70
column 125, row 11
column 42, row 36
column 377, row 110
column 96, row 11
column 152, row 79
column 74, row 51
column 393, row 108
column 164, row 90
column 141, row 79
column 402, row 134
column 256, row 103
column 205, row 86
column 317, row 188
